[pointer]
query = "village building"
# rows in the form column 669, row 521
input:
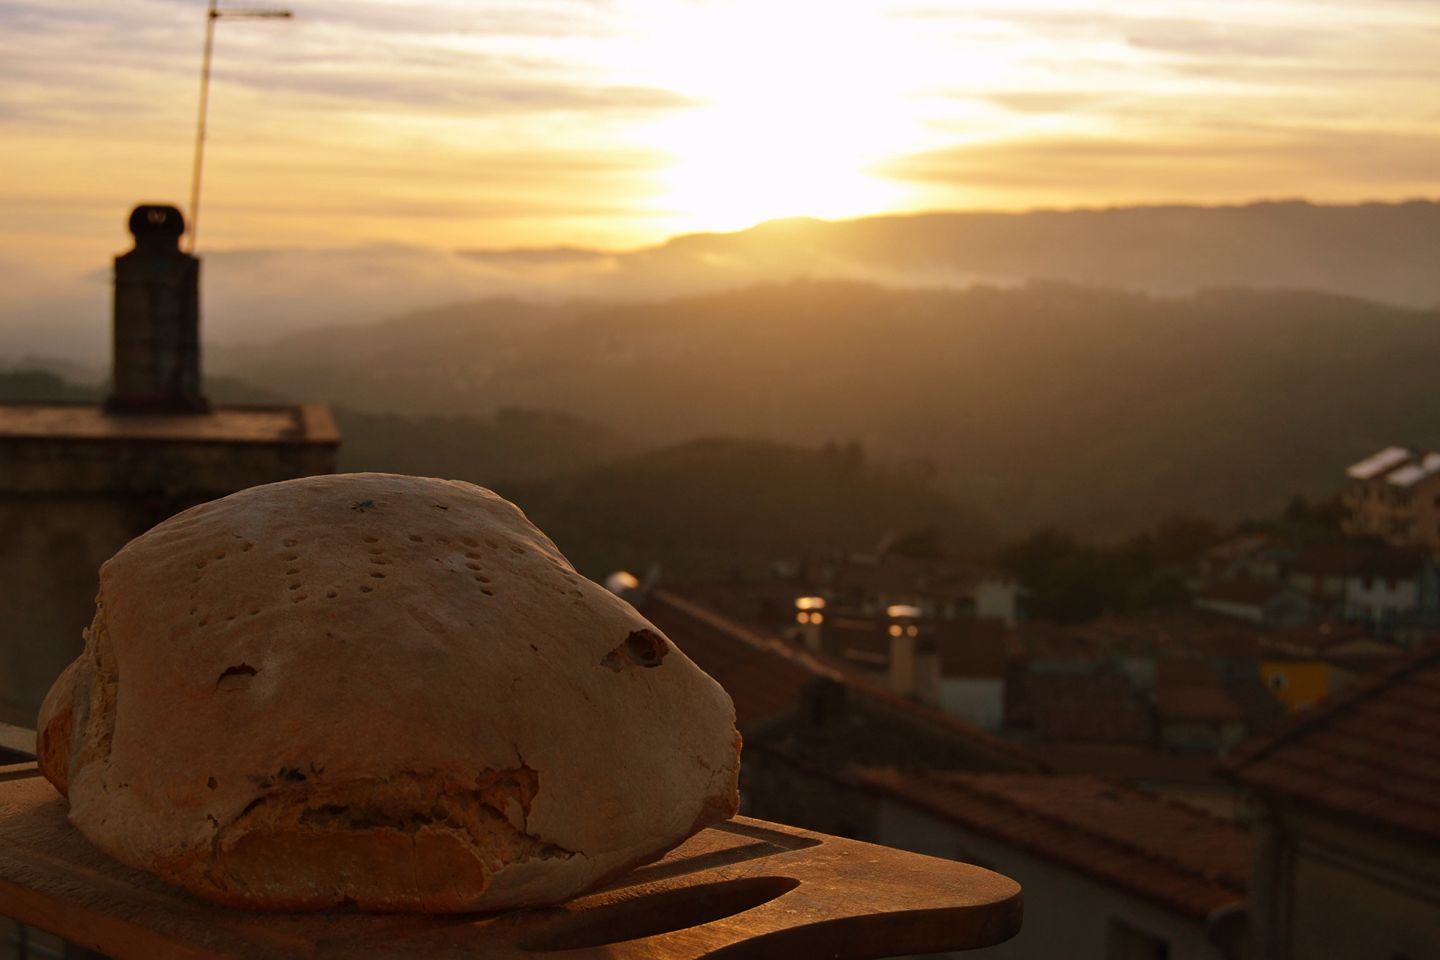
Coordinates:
column 804, row 715
column 1394, row 494
column 1109, row 872
column 1347, row 822
column 79, row 480
column 1257, row 601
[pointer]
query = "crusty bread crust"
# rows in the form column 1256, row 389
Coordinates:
column 380, row 690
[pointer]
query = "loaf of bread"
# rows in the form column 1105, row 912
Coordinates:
column 381, row 690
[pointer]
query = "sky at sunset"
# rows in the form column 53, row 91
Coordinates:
column 620, row 122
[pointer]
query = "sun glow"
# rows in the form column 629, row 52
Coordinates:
column 794, row 105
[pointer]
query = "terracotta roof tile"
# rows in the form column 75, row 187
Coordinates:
column 1202, row 702
column 765, row 678
column 1251, row 592
column 1371, row 751
column 1074, row 708
column 1152, row 848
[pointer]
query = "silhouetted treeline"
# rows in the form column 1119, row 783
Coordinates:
column 1071, row 581
column 718, row 506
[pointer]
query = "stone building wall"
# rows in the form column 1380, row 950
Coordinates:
column 1067, row 914
column 1324, row 888
column 68, row 503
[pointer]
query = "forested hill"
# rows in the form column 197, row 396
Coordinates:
column 1380, row 251
column 1097, row 410
column 712, row 506
column 700, row 508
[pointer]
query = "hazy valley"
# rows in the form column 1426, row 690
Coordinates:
column 987, row 409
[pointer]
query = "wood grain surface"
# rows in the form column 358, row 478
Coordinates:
column 742, row 890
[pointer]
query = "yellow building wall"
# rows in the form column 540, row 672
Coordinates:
column 1297, row 683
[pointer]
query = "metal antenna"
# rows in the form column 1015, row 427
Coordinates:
column 211, row 15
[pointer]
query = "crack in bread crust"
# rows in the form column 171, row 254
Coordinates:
column 77, row 721
column 410, row 839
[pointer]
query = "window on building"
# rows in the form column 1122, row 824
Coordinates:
column 1131, row 943
column 19, row 942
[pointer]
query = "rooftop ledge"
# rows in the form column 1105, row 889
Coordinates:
column 306, row 423
column 79, row 449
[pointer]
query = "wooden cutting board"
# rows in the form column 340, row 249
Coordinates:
column 742, row 890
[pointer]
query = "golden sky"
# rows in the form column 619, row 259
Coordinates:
column 461, row 123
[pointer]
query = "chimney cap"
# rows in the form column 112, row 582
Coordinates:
column 152, row 221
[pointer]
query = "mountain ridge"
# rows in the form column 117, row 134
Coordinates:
column 1100, row 410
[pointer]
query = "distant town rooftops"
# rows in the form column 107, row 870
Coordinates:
column 1351, row 558
column 768, row 678
column 1150, row 847
column 1370, row 752
column 1241, row 591
column 1204, row 702
column 1079, row 708
column 765, row 677
column 310, row 423
column 1378, row 464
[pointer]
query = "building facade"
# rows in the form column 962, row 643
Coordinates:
column 1394, row 494
column 1347, row 826
column 78, row 481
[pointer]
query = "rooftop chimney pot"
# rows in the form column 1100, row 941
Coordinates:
column 157, row 319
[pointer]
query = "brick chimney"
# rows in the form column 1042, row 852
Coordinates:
column 157, row 319
column 914, row 655
column 903, row 631
column 810, row 615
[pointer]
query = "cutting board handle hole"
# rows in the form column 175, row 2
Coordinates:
column 658, row 913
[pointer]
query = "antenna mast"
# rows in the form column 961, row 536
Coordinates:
column 213, row 14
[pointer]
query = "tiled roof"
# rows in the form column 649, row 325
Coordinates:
column 1312, row 639
column 1371, row 752
column 1412, row 473
column 1202, row 702
column 1152, row 848
column 1379, row 464
column 1189, row 689
column 1358, row 559
column 1249, row 592
column 767, row 677
column 1180, row 633
column 1129, row 763
column 1082, row 708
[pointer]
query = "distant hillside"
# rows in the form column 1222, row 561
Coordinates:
column 708, row 507
column 1097, row 410
column 1378, row 251
column 702, row 508
column 511, row 445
